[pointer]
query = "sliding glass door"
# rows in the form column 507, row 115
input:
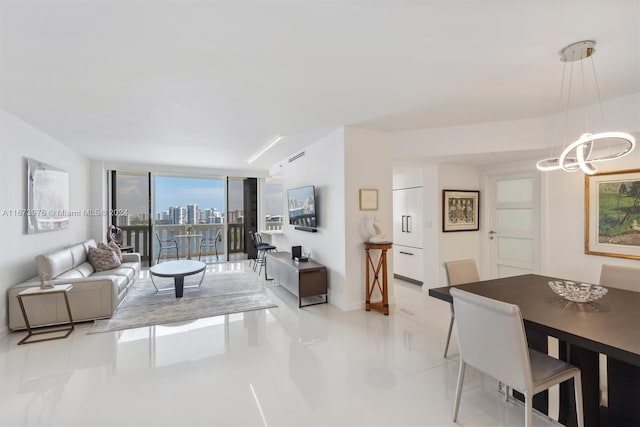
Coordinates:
column 189, row 210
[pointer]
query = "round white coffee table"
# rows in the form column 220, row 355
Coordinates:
column 178, row 270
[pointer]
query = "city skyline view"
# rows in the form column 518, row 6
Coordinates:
column 179, row 192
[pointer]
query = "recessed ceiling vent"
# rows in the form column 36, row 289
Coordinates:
column 296, row 157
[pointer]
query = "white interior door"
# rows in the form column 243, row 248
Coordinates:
column 514, row 223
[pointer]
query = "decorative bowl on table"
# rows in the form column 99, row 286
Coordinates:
column 576, row 291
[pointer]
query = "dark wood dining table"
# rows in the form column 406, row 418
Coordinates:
column 610, row 325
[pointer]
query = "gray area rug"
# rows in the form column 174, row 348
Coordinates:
column 221, row 293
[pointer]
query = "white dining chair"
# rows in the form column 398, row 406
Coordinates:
column 620, row 277
column 459, row 273
column 492, row 339
column 617, row 276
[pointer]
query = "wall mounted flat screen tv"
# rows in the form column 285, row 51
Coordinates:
column 302, row 207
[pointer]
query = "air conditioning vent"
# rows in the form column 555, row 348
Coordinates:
column 296, row 157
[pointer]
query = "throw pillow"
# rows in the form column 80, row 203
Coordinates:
column 114, row 247
column 103, row 259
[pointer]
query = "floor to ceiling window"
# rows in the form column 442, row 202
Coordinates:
column 189, row 210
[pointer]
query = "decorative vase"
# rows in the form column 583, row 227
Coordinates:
column 45, row 281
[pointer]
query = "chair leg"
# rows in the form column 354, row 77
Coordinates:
column 446, row 347
column 216, row 246
column 528, row 410
column 255, row 262
column 262, row 259
column 577, row 386
column 456, row 403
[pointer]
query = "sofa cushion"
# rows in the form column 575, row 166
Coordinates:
column 86, row 269
column 127, row 273
column 55, row 263
column 89, row 244
column 135, row 266
column 70, row 274
column 78, row 253
column 103, row 259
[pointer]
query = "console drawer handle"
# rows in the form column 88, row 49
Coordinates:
column 406, row 253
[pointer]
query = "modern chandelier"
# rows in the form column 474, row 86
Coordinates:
column 588, row 149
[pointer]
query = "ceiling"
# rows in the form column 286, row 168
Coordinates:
column 207, row 83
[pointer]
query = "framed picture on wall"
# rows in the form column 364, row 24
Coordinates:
column 460, row 210
column 368, row 199
column 47, row 198
column 612, row 214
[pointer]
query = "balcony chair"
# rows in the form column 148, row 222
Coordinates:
column 116, row 235
column 459, row 273
column 211, row 243
column 491, row 338
column 166, row 245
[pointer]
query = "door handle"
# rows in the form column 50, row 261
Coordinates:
column 403, row 228
column 409, row 223
column 405, row 253
column 491, row 233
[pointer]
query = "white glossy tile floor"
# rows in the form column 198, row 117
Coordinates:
column 316, row 366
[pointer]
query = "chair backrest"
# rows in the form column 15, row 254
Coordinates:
column 460, row 272
column 218, row 235
column 114, row 234
column 491, row 338
column 616, row 276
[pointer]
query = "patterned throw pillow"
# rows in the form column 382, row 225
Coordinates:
column 112, row 246
column 103, row 259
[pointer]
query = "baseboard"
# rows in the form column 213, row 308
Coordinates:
column 4, row 331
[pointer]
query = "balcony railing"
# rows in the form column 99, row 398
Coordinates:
column 138, row 237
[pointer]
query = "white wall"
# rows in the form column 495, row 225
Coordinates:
column 323, row 166
column 368, row 160
column 462, row 244
column 19, row 140
column 339, row 165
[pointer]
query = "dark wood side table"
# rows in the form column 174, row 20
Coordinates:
column 36, row 290
column 379, row 268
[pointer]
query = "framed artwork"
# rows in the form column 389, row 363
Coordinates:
column 612, row 214
column 47, row 198
column 368, row 199
column 460, row 210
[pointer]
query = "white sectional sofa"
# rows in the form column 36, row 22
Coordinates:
column 95, row 295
